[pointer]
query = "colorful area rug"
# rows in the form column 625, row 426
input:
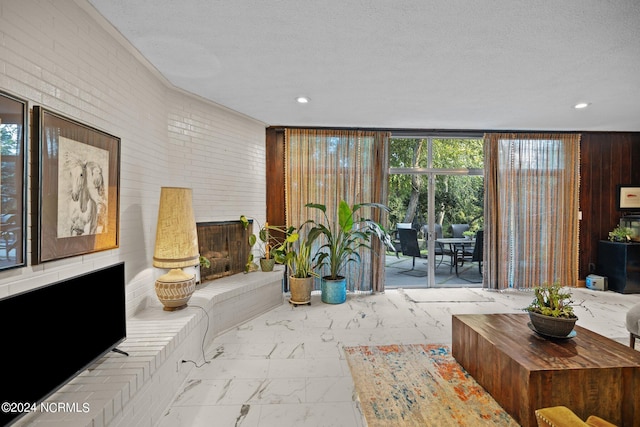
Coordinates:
column 419, row 385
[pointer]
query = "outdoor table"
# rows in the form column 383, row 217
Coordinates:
column 453, row 243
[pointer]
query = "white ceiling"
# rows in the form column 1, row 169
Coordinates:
column 412, row 64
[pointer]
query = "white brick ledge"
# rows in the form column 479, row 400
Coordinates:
column 135, row 390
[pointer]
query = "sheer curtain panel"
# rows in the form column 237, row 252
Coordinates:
column 325, row 166
column 531, row 208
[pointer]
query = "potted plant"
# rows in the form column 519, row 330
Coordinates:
column 620, row 234
column 301, row 271
column 343, row 239
column 268, row 256
column 551, row 311
column 295, row 253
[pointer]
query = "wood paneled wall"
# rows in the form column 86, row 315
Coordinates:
column 275, row 176
column 607, row 159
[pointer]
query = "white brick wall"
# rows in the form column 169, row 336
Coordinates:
column 61, row 55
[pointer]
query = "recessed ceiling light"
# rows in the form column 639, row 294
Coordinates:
column 302, row 99
column 581, row 105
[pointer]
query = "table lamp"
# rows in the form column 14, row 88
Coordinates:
column 176, row 247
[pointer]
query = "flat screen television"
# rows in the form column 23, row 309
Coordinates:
column 52, row 333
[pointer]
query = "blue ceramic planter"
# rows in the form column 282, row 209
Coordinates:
column 334, row 291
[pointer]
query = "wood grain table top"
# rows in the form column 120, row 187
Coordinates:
column 510, row 334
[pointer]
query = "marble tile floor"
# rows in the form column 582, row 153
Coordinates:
column 287, row 368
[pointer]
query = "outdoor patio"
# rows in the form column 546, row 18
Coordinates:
column 400, row 274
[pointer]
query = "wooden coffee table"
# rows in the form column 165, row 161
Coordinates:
column 590, row 374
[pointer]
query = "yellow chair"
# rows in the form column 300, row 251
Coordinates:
column 561, row 416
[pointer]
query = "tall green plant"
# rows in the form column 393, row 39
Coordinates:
column 346, row 236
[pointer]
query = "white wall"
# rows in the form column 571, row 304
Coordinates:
column 60, row 54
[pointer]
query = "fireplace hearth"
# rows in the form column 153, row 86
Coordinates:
column 225, row 244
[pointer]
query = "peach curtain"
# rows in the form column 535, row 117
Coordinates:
column 531, row 209
column 325, row 166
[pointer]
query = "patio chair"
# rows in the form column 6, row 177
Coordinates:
column 478, row 250
column 472, row 254
column 396, row 240
column 457, row 230
column 409, row 244
column 464, row 252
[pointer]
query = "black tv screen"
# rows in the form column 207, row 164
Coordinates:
column 52, row 333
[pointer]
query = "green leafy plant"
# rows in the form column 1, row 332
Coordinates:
column 552, row 300
column 295, row 252
column 620, row 234
column 468, row 233
column 345, row 237
column 299, row 258
column 204, row 262
column 272, row 245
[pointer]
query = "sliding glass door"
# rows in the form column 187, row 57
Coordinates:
column 434, row 182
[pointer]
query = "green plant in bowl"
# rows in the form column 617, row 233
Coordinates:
column 620, row 234
column 552, row 300
column 551, row 311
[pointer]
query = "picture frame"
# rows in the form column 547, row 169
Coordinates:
column 628, row 198
column 76, row 193
column 13, row 180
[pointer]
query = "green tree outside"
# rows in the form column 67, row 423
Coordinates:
column 459, row 199
column 9, row 138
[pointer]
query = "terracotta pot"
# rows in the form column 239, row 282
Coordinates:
column 300, row 289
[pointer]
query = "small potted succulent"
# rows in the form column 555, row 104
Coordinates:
column 551, row 311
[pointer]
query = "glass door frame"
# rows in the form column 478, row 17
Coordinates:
column 431, row 174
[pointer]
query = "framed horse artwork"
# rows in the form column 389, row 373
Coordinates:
column 77, row 191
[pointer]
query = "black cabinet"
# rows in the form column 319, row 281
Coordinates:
column 620, row 263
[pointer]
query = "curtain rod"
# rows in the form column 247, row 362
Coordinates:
column 420, row 133
column 394, row 131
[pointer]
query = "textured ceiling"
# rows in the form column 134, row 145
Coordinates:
column 413, row 64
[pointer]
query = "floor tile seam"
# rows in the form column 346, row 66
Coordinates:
column 267, row 377
column 222, row 361
column 303, row 396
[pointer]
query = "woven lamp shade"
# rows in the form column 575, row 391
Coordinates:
column 176, row 233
